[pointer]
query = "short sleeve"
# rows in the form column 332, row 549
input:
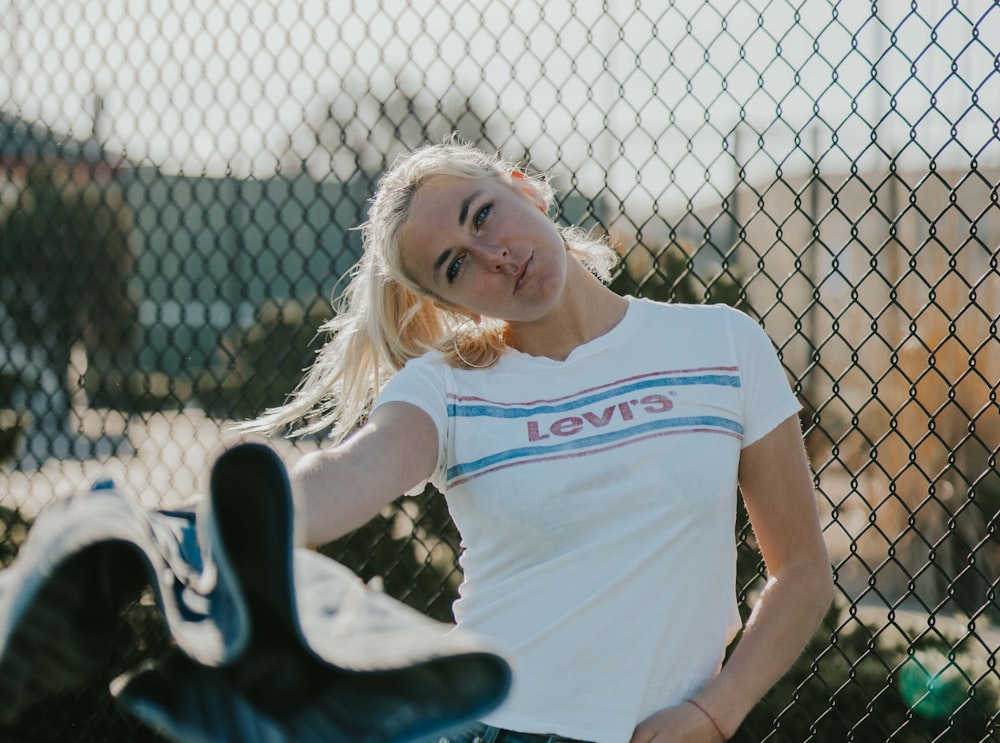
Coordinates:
column 768, row 397
column 421, row 382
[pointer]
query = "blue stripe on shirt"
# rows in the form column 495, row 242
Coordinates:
column 587, row 442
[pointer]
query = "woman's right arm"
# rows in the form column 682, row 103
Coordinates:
column 339, row 489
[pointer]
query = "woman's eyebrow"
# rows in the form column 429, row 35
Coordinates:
column 463, row 212
column 441, row 260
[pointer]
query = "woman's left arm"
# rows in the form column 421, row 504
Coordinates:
column 777, row 488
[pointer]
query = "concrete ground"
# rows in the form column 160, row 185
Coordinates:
column 164, row 461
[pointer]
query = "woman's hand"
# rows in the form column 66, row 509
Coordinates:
column 684, row 723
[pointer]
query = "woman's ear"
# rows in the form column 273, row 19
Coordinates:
column 530, row 189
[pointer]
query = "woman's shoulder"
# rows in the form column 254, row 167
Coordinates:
column 679, row 311
column 423, row 376
column 696, row 324
column 430, row 358
column 429, row 365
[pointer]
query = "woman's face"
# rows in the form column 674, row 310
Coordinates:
column 485, row 247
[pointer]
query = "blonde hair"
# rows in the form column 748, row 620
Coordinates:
column 383, row 318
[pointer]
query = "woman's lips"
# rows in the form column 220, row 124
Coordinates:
column 524, row 275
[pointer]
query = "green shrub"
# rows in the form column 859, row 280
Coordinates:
column 12, row 428
column 259, row 367
column 14, row 528
column 412, row 547
column 857, row 682
column 672, row 273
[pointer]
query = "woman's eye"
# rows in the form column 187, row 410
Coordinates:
column 455, row 267
column 482, row 215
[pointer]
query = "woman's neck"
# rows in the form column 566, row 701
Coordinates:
column 587, row 310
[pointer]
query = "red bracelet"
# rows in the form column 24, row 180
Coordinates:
column 710, row 719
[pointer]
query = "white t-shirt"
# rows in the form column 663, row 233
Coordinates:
column 596, row 499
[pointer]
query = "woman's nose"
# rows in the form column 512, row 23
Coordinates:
column 497, row 257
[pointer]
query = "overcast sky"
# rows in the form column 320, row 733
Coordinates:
column 217, row 86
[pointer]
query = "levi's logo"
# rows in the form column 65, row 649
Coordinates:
column 599, row 418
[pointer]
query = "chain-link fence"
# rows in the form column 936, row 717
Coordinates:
column 179, row 184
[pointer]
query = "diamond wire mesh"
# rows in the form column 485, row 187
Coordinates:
column 178, row 188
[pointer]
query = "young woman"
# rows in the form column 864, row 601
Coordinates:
column 589, row 446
